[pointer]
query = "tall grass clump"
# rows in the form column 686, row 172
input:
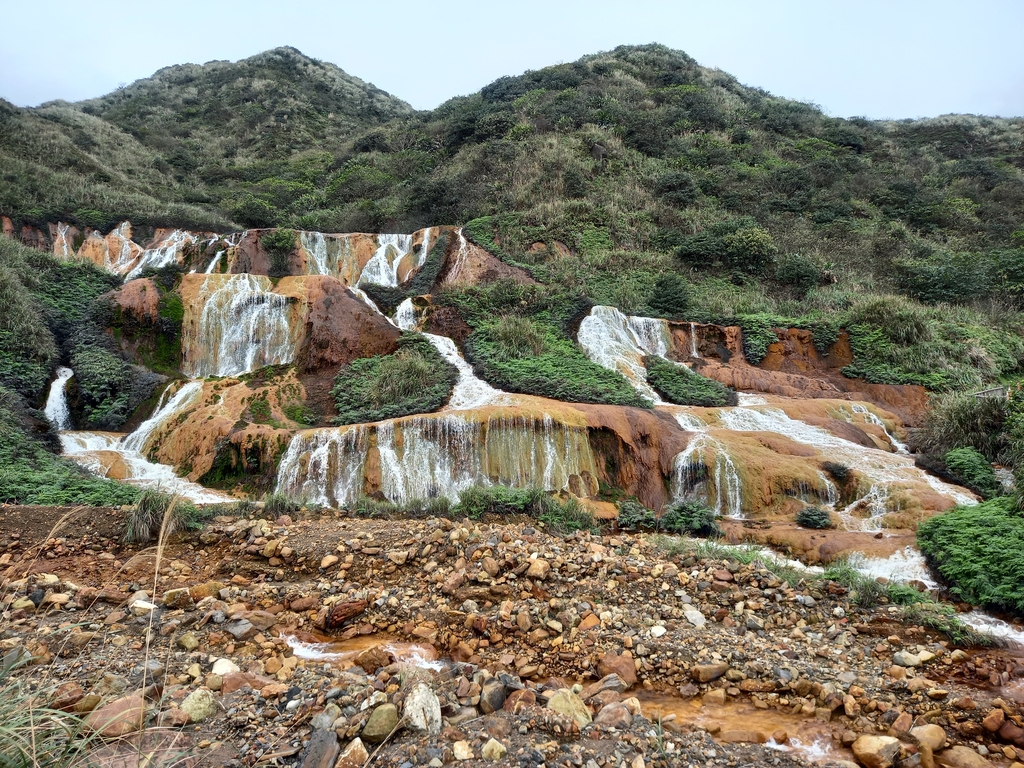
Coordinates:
column 155, row 512
column 561, row 516
column 277, row 504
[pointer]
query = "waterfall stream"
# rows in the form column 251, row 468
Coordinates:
column 242, row 325
column 436, row 456
column 168, row 252
column 56, row 409
column 619, row 343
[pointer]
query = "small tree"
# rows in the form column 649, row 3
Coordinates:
column 670, row 296
column 750, row 250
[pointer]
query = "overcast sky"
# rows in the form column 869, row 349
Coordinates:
column 877, row 58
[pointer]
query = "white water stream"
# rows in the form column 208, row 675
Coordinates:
column 56, row 409
column 620, row 342
column 243, row 325
column 167, row 253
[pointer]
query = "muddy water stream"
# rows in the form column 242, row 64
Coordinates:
column 739, row 721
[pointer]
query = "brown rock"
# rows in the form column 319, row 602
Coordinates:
column 704, row 673
column 538, row 569
column 342, row 612
column 301, row 604
column 519, row 700
column 961, row 757
column 614, row 716
column 621, row 665
column 209, row 589
column 118, row 718
column 373, row 659
column 322, row 751
column 993, row 720
column 741, row 736
column 876, row 751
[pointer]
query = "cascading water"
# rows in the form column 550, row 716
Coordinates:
column 167, row 407
column 882, row 469
column 215, row 263
column 382, row 268
column 871, row 418
column 61, row 246
column 57, row 401
column 243, row 325
column 99, row 451
column 693, row 341
column 315, row 245
column 461, row 253
column 619, row 343
column 432, row 456
column 470, row 391
column 705, row 462
column 168, row 253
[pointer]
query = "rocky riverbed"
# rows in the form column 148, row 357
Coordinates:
column 337, row 641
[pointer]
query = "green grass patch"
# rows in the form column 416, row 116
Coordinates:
column 414, row 379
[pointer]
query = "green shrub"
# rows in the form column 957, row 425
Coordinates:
column 979, row 552
column 279, row 245
column 814, row 517
column 758, row 335
column 973, row 470
column 690, row 518
column 965, row 421
column 562, row 517
column 414, row 508
column 670, row 296
column 798, row 272
column 414, row 379
column 678, row 384
column 517, row 337
column 840, row 472
column 634, row 516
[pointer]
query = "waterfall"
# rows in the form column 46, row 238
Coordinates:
column 619, row 343
column 61, row 247
column 242, row 326
column 57, row 402
column 215, row 263
column 424, row 252
column 438, row 455
column 469, row 391
column 167, row 253
column 382, row 268
column 693, row 341
column 166, row 408
column 884, row 471
column 461, row 254
column 101, row 452
column 405, row 316
column 871, row 418
column 705, row 459
column 315, row 245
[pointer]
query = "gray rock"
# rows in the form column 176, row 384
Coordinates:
column 422, row 710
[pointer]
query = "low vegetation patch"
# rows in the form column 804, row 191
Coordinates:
column 561, row 516
column 520, row 343
column 979, row 552
column 155, row 512
column 678, row 384
column 414, row 379
column 814, row 517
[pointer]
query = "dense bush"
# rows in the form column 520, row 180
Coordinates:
column 678, row 384
column 840, row 472
column 814, row 517
column 279, row 244
column 689, row 518
column 973, row 470
column 798, row 272
column 965, row 421
column 978, row 552
column 635, row 516
column 414, row 379
column 670, row 297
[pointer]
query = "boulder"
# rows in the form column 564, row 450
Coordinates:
column 931, row 736
column 493, row 750
column 492, row 696
column 705, row 673
column 422, row 710
column 118, row 718
column 961, row 757
column 354, row 756
column 200, row 705
column 322, row 751
column 567, row 703
column 383, row 720
column 614, row 715
column 876, row 751
column 621, row 665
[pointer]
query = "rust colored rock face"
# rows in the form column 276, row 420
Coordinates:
column 138, row 300
column 340, row 327
column 469, row 264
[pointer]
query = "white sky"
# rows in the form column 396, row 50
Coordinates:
column 877, row 58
